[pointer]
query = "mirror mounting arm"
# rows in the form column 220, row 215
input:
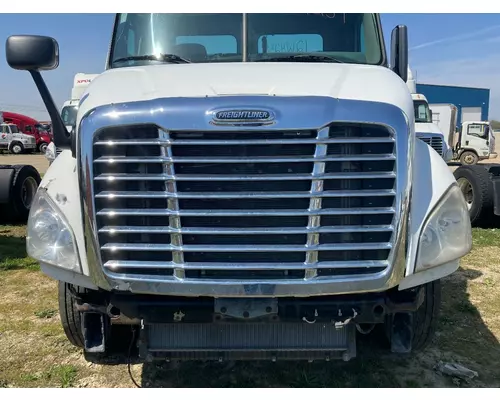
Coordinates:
column 58, row 128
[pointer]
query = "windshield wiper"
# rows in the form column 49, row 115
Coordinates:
column 171, row 58
column 302, row 57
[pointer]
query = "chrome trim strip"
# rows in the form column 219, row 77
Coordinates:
column 165, row 142
column 228, row 160
column 225, row 213
column 245, row 231
column 315, row 193
column 245, row 248
column 221, row 178
column 243, row 266
column 292, row 113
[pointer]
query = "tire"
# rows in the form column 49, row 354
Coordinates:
column 477, row 188
column 71, row 319
column 469, row 158
column 42, row 147
column 24, row 185
column 117, row 337
column 425, row 319
column 16, row 148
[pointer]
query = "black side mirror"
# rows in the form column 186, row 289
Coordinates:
column 34, row 54
column 399, row 51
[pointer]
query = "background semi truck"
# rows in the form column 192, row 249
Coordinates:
column 224, row 210
column 29, row 126
column 70, row 109
column 425, row 129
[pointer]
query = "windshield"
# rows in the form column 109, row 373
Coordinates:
column 42, row 128
column 208, row 38
column 422, row 111
column 479, row 130
column 68, row 115
column 13, row 128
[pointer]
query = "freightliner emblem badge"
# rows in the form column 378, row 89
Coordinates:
column 242, row 117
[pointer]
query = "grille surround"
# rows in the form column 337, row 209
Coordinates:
column 322, row 112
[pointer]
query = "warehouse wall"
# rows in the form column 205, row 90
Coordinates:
column 459, row 96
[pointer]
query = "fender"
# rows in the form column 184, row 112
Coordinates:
column 61, row 183
column 431, row 179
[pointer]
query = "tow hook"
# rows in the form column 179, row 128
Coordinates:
column 107, row 310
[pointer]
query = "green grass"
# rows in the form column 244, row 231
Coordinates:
column 45, row 313
column 63, row 376
column 13, row 249
column 485, row 237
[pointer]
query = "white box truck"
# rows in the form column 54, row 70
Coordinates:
column 471, row 142
column 225, row 209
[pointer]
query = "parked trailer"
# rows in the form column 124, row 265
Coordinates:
column 18, row 186
column 480, row 185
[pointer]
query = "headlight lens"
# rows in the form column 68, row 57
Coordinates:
column 49, row 238
column 447, row 234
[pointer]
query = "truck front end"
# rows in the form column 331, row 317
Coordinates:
column 243, row 188
column 426, row 130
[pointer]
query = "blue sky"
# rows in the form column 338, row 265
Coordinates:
column 453, row 49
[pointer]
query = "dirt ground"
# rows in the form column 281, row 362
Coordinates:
column 34, row 351
column 37, row 160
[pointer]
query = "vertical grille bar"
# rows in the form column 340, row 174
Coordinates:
column 172, row 204
column 315, row 203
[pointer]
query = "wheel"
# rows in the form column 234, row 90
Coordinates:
column 117, row 337
column 23, row 187
column 42, row 147
column 468, row 158
column 71, row 319
column 16, row 148
column 425, row 319
column 476, row 186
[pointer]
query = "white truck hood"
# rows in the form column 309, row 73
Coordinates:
column 345, row 81
column 427, row 128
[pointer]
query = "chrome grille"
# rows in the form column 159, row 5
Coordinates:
column 245, row 205
column 436, row 142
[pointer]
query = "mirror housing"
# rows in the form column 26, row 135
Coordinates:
column 34, row 53
column 399, row 51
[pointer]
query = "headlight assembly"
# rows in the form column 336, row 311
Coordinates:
column 447, row 233
column 49, row 238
